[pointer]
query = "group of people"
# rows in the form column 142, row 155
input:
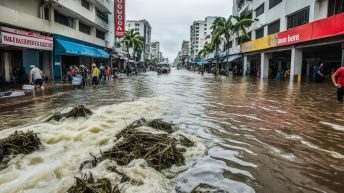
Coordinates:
column 95, row 73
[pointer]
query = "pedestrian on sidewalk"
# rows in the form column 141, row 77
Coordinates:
column 338, row 81
column 35, row 77
column 95, row 74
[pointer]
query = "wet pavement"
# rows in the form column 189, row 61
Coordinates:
column 261, row 136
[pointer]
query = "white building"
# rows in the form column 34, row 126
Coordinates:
column 200, row 32
column 81, row 32
column 292, row 35
column 145, row 30
column 155, row 49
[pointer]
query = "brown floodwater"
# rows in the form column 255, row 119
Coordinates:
column 261, row 136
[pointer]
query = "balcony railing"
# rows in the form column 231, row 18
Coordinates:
column 103, row 5
column 243, row 4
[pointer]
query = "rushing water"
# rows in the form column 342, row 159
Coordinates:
column 252, row 135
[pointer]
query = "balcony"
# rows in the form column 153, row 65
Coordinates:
column 103, row 5
column 244, row 5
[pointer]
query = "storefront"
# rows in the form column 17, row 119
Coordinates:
column 18, row 50
column 296, row 52
column 71, row 52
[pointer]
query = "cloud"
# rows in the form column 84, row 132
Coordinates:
column 171, row 19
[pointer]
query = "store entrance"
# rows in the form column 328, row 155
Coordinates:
column 330, row 55
column 67, row 62
column 279, row 65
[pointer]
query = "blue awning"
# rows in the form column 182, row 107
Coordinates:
column 66, row 47
column 232, row 58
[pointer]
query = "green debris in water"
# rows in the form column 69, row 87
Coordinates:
column 155, row 123
column 90, row 185
column 159, row 150
column 206, row 188
column 17, row 143
column 78, row 111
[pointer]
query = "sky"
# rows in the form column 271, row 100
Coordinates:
column 171, row 19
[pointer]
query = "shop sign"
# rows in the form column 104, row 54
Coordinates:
column 235, row 50
column 295, row 35
column 120, row 18
column 25, row 39
column 266, row 42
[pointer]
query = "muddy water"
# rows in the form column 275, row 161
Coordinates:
column 252, row 136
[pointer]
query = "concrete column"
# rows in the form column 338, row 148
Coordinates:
column 308, row 70
column 264, row 65
column 246, row 65
column 296, row 64
column 7, row 62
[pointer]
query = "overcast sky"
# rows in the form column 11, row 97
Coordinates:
column 171, row 19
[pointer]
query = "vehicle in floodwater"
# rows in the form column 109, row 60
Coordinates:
column 164, row 68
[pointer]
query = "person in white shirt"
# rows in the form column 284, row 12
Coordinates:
column 35, row 76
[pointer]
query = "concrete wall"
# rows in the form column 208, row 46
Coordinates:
column 30, row 7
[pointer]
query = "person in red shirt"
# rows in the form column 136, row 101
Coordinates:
column 338, row 81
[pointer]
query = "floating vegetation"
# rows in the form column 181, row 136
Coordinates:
column 90, row 185
column 159, row 150
column 17, row 143
column 206, row 188
column 78, row 111
column 155, row 123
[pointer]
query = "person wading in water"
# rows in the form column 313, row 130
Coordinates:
column 338, row 81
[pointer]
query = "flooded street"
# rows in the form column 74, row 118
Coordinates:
column 254, row 136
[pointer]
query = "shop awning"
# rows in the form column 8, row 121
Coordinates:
column 232, row 58
column 66, row 47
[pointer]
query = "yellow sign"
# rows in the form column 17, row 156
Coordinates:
column 266, row 42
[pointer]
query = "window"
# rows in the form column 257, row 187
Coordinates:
column 260, row 33
column 238, row 40
column 100, row 35
column 335, row 7
column 137, row 29
column 128, row 25
column 299, row 18
column 274, row 27
column 85, row 4
column 46, row 12
column 259, row 10
column 84, row 28
column 102, row 16
column 273, row 3
column 64, row 20
column 137, row 25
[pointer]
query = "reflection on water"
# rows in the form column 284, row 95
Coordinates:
column 260, row 136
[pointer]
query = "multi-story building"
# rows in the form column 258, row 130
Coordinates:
column 54, row 35
column 200, row 32
column 155, row 49
column 145, row 30
column 292, row 35
column 186, row 48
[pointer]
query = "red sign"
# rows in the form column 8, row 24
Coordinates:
column 120, row 18
column 323, row 28
column 295, row 35
column 25, row 39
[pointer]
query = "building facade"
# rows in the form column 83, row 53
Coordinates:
column 155, row 49
column 200, row 33
column 145, row 30
column 292, row 37
column 78, row 32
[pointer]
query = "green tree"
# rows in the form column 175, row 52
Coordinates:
column 133, row 40
column 241, row 23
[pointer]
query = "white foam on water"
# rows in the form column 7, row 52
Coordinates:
column 334, row 126
column 66, row 144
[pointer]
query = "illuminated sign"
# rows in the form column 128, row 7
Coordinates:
column 120, row 18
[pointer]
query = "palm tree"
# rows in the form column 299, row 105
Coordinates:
column 133, row 40
column 241, row 23
column 207, row 49
column 223, row 29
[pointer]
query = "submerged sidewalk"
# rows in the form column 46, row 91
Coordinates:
column 51, row 90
